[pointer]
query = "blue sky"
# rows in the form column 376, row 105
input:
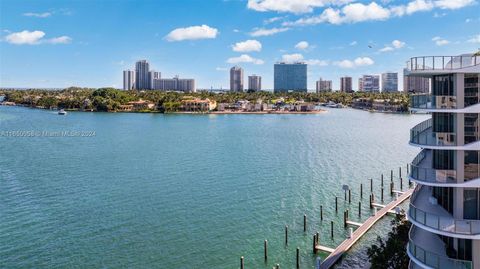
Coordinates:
column 89, row 43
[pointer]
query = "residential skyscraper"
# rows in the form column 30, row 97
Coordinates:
column 175, row 84
column 236, row 79
column 290, row 77
column 128, row 79
column 346, row 84
column 390, row 82
column 323, row 85
column 445, row 206
column 151, row 76
column 255, row 83
column 371, row 83
column 415, row 84
column 142, row 75
column 360, row 84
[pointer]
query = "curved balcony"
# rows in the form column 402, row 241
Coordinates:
column 442, row 63
column 422, row 173
column 422, row 135
column 425, row 213
column 441, row 103
column 429, row 251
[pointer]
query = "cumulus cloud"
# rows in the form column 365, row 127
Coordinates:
column 474, row 39
column 359, row 12
column 244, row 58
column 25, row 37
column 267, row 32
column 291, row 58
column 396, row 44
column 360, row 61
column 292, row 6
column 248, row 45
column 271, row 20
column 192, row 33
column 38, row 15
column 440, row 41
column 302, row 45
column 34, row 38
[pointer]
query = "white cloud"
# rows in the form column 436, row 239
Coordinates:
column 244, row 58
column 25, row 37
column 291, row 58
column 474, row 39
column 246, row 46
column 60, row 40
column 236, row 30
column 221, row 68
column 360, row 61
column 317, row 62
column 386, row 48
column 351, row 13
column 34, row 38
column 453, row 4
column 396, row 44
column 192, row 33
column 353, row 43
column 38, row 15
column 267, row 32
column 302, row 45
column 359, row 12
column 271, row 20
column 440, row 41
column 292, row 6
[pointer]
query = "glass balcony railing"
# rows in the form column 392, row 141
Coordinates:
column 434, row 260
column 442, row 62
column 444, row 224
column 421, row 170
column 422, row 134
column 427, row 101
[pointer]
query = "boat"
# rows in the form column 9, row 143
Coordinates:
column 62, row 112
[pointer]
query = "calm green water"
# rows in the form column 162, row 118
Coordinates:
column 187, row 191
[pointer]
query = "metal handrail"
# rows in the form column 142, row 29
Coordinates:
column 429, row 174
column 435, row 260
column 428, row 101
column 442, row 62
column 422, row 134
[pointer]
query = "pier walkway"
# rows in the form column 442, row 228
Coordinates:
column 337, row 253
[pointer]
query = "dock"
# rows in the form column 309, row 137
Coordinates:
column 337, row 253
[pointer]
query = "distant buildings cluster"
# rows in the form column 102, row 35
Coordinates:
column 287, row 77
column 142, row 78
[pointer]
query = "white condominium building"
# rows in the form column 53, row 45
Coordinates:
column 445, row 207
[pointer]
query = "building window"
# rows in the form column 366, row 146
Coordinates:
column 471, row 204
column 443, row 85
column 443, row 159
column 444, row 197
column 471, row 127
column 443, row 122
column 471, row 89
column 471, row 165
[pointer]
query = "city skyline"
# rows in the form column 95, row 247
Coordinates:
column 51, row 39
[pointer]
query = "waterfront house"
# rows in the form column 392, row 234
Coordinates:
column 445, row 207
column 198, row 105
column 141, row 105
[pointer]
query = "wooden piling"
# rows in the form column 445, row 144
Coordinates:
column 381, row 197
column 359, row 209
column 361, row 191
column 314, row 243
column 349, row 196
column 382, row 180
column 400, row 171
column 242, row 264
column 277, row 266
column 304, row 223
column 331, row 229
column 371, row 201
column 391, row 175
column 371, row 185
column 407, row 168
column 401, row 184
column 317, row 240
column 286, row 235
column 265, row 249
column 321, row 213
column 298, row 258
column 391, row 188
